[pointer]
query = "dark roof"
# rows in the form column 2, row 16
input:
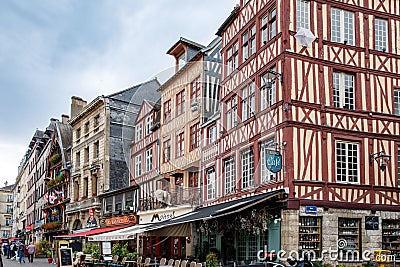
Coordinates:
column 228, row 21
column 219, row 210
column 64, row 131
column 7, row 188
column 150, row 82
column 187, row 42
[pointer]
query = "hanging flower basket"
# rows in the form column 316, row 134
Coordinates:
column 55, row 158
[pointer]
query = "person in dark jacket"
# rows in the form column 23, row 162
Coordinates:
column 21, row 253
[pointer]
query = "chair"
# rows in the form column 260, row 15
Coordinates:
column 146, row 262
column 183, row 263
column 171, row 262
column 192, row 264
column 163, row 261
column 177, row 263
column 139, row 261
column 199, row 264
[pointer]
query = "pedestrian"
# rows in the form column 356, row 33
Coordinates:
column 7, row 250
column 21, row 253
column 31, row 251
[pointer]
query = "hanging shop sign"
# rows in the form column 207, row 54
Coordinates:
column 273, row 160
column 29, row 227
column 119, row 220
column 371, row 223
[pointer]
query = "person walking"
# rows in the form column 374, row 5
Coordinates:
column 21, row 253
column 31, row 251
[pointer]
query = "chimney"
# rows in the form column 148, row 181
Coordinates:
column 77, row 105
column 64, row 118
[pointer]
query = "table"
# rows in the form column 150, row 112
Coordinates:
column 129, row 263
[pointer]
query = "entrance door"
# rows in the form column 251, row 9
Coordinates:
column 274, row 236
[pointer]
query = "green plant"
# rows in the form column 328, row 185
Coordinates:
column 211, row 260
column 327, row 265
column 131, row 256
column 48, row 253
column 368, row 264
column 55, row 158
column 116, row 249
column 124, row 250
column 317, row 263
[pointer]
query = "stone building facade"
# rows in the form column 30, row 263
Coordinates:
column 6, row 210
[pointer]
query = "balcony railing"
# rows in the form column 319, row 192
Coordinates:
column 83, row 204
column 175, row 197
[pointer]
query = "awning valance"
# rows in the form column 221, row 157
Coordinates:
column 90, row 232
column 121, row 234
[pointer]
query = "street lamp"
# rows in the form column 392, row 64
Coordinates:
column 381, row 158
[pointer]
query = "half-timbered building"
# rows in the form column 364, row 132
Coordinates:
column 316, row 82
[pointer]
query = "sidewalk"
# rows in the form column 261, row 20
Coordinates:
column 36, row 263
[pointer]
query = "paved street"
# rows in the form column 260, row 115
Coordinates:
column 36, row 263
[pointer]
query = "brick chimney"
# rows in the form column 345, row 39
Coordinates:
column 77, row 105
column 64, row 118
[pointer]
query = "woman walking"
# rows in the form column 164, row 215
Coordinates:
column 21, row 253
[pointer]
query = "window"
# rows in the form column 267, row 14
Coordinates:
column 86, row 155
column 167, row 150
column 9, row 198
column 210, row 183
column 212, row 134
column 9, row 209
column 398, row 167
column 231, row 113
column 396, row 100
column 180, row 102
column 247, row 168
column 267, row 90
column 96, row 121
column 78, row 159
column 268, row 26
column 181, row 61
column 194, row 136
column 303, row 14
column 128, row 200
column 167, row 110
column 232, row 58
column 118, row 202
column 109, row 204
column 138, row 165
column 229, row 171
column 266, row 175
column 346, row 162
column 8, row 222
column 193, row 179
column 248, row 101
column 78, row 134
column 149, row 122
column 343, row 90
column 138, row 133
column 180, row 145
column 342, row 24
column 86, row 127
column 149, row 159
column 85, row 187
column 96, row 149
column 249, row 43
column 381, row 29
column 195, row 90
column 94, row 185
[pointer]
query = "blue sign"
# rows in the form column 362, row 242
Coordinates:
column 274, row 161
column 311, row 210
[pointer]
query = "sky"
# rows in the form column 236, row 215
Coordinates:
column 52, row 50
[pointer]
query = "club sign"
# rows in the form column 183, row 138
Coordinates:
column 274, row 160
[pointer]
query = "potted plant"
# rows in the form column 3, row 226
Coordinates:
column 49, row 258
column 211, row 260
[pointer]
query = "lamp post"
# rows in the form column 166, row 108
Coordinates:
column 381, row 158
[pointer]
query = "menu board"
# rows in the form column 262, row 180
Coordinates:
column 65, row 257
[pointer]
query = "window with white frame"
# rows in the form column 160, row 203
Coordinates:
column 210, row 183
column 229, row 171
column 267, row 90
column 381, row 29
column 247, row 168
column 149, row 122
column 248, row 101
column 347, row 165
column 232, row 58
column 303, row 14
column 342, row 26
column 249, row 43
column 266, row 175
column 180, row 145
column 149, row 159
column 398, row 167
column 138, row 165
column 212, row 134
column 268, row 26
column 396, row 101
column 231, row 113
column 138, row 132
column 343, row 90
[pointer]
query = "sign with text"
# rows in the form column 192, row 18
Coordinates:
column 311, row 210
column 273, row 160
column 65, row 257
column 119, row 220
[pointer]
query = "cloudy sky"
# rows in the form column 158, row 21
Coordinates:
column 51, row 50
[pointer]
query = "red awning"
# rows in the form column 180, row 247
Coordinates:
column 90, row 232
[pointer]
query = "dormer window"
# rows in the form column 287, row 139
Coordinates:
column 181, row 61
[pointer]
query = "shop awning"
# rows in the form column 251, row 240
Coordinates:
column 220, row 210
column 91, row 232
column 120, row 234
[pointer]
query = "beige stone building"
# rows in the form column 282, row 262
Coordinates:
column 6, row 200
